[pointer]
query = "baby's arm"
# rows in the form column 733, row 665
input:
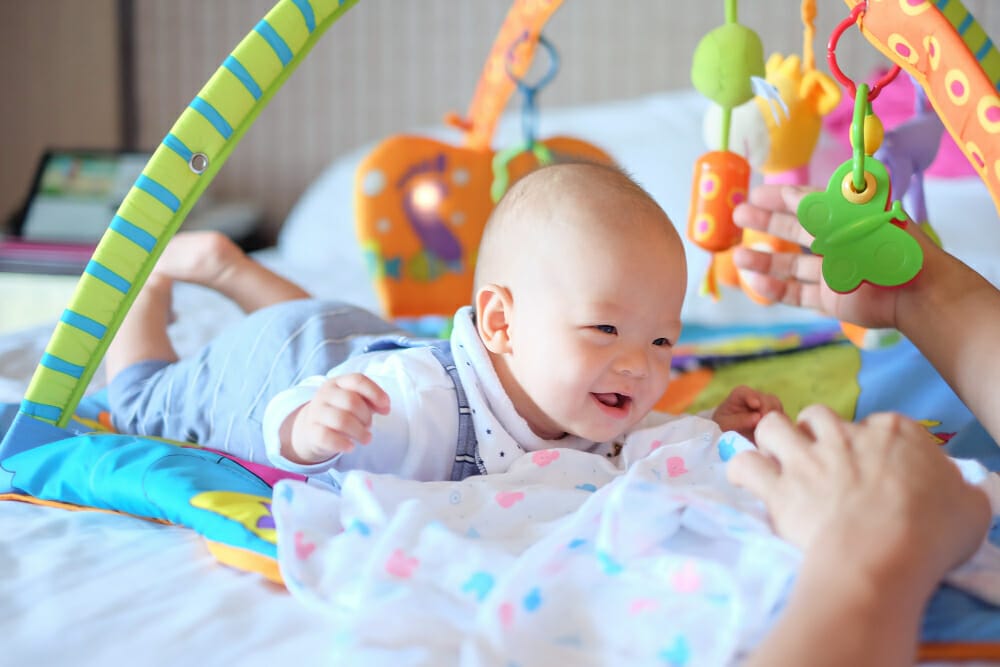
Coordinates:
column 415, row 440
column 338, row 416
column 742, row 410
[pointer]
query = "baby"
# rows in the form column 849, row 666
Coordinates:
column 579, row 284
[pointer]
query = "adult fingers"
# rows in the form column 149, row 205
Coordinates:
column 757, row 473
column 898, row 425
column 778, row 436
column 771, row 209
column 824, row 425
column 755, row 271
column 795, row 265
column 771, row 288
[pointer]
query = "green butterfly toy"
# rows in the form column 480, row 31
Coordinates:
column 859, row 233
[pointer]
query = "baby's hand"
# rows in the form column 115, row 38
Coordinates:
column 339, row 415
column 742, row 410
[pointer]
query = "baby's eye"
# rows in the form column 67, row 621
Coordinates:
column 606, row 328
column 660, row 342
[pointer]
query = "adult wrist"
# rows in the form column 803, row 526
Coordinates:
column 870, row 571
column 923, row 295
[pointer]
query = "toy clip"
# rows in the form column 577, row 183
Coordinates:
column 859, row 233
column 529, row 119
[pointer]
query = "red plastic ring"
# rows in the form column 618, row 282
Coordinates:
column 831, row 56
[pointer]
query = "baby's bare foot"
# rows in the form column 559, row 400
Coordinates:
column 213, row 260
column 202, row 258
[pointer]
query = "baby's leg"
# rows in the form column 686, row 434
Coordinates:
column 218, row 395
column 142, row 336
column 210, row 259
column 213, row 260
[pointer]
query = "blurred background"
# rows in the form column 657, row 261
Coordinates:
column 117, row 73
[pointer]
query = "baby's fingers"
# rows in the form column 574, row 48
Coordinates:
column 365, row 388
column 771, row 403
column 743, row 423
column 745, row 398
column 338, row 428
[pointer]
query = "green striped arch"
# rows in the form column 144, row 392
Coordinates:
column 178, row 172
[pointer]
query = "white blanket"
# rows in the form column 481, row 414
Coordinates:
column 567, row 559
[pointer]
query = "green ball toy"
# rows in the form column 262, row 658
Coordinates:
column 723, row 63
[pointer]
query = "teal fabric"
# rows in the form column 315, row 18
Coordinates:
column 144, row 477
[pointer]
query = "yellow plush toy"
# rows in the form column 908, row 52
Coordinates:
column 807, row 95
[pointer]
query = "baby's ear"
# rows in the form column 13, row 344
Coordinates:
column 493, row 308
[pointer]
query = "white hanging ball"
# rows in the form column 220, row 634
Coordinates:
column 747, row 132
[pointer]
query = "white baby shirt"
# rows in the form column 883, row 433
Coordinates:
column 417, row 439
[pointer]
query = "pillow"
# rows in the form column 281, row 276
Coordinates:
column 657, row 139
column 317, row 244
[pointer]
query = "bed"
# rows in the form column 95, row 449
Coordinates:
column 93, row 587
column 658, row 562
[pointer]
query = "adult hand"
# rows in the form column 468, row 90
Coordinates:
column 878, row 493
column 796, row 278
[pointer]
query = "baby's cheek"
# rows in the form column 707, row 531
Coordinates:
column 661, row 376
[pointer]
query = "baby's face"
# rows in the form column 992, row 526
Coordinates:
column 593, row 333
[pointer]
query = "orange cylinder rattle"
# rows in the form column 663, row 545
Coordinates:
column 721, row 181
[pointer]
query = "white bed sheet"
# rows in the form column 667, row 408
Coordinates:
column 96, row 589
column 92, row 588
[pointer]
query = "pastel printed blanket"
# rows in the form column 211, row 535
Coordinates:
column 565, row 559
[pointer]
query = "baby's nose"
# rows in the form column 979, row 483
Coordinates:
column 633, row 363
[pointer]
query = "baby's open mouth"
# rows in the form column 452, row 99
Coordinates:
column 613, row 400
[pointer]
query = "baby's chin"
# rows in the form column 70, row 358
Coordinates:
column 600, row 434
column 609, row 431
column 588, row 434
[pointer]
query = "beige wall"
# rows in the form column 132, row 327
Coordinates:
column 58, row 84
column 387, row 66
column 390, row 65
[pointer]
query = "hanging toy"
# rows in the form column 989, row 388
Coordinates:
column 728, row 69
column 529, row 120
column 859, row 233
column 908, row 150
column 421, row 203
column 809, row 94
column 953, row 59
column 857, row 229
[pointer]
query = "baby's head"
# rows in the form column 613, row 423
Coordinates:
column 579, row 284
